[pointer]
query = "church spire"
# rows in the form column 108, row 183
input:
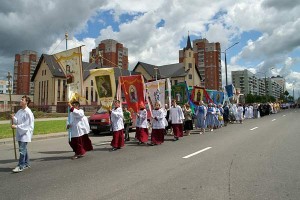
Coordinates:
column 188, row 43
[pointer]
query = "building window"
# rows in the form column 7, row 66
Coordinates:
column 87, row 93
column 190, row 65
column 92, row 95
column 190, row 76
column 190, row 55
column 175, row 82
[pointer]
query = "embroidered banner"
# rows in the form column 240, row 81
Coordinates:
column 70, row 62
column 179, row 93
column 156, row 92
column 133, row 89
column 104, row 80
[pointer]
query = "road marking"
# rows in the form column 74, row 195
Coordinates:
column 105, row 143
column 196, row 152
column 273, row 120
column 283, row 115
column 253, row 128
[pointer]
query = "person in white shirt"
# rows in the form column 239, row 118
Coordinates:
column 117, row 126
column 79, row 127
column 23, row 122
column 142, row 124
column 176, row 118
column 240, row 111
column 158, row 125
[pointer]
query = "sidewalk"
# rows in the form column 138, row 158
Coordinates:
column 36, row 137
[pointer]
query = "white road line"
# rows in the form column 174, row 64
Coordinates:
column 283, row 115
column 105, row 143
column 273, row 120
column 196, row 152
column 253, row 128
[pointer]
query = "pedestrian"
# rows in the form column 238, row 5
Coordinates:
column 23, row 122
column 201, row 117
column 188, row 119
column 176, row 118
column 240, row 112
column 79, row 128
column 210, row 117
column 158, row 125
column 226, row 114
column 168, row 125
column 127, row 122
column 142, row 124
column 117, row 126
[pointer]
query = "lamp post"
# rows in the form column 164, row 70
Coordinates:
column 9, row 92
column 156, row 68
column 226, row 60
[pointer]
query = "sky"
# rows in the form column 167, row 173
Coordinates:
column 267, row 31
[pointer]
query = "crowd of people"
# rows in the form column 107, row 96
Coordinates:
column 174, row 119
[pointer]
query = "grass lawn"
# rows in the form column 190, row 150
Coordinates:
column 40, row 127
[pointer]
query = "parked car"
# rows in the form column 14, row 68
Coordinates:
column 100, row 121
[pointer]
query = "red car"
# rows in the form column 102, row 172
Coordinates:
column 100, row 120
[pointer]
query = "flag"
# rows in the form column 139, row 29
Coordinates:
column 156, row 91
column 192, row 105
column 230, row 90
column 105, row 83
column 133, row 89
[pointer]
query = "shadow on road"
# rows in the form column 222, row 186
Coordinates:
column 53, row 152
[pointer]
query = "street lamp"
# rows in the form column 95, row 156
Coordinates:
column 226, row 60
column 156, row 69
column 9, row 88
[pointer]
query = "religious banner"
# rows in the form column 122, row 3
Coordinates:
column 156, row 92
column 168, row 94
column 70, row 61
column 104, row 80
column 133, row 89
column 215, row 96
column 197, row 94
column 179, row 93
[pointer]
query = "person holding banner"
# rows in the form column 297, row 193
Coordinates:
column 210, row 117
column 23, row 122
column 79, row 127
column 127, row 122
column 176, row 118
column 142, row 125
column 158, row 125
column 117, row 126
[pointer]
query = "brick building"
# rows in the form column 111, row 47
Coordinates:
column 110, row 53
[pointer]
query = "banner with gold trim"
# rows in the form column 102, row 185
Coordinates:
column 70, row 62
column 134, row 91
column 105, row 83
column 156, row 91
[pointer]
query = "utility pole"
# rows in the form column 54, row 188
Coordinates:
column 66, row 36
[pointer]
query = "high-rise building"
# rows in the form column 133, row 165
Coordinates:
column 24, row 66
column 110, row 53
column 280, row 80
column 208, row 61
column 249, row 83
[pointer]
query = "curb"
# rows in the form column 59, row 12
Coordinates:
column 36, row 137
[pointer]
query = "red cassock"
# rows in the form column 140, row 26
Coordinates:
column 157, row 136
column 118, row 139
column 177, row 130
column 142, row 135
column 76, row 144
column 87, row 143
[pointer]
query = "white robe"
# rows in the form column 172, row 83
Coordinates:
column 176, row 115
column 79, row 123
column 141, row 121
column 240, row 111
column 116, row 117
column 24, row 120
column 160, row 122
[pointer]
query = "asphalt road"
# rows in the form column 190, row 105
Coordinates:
column 258, row 159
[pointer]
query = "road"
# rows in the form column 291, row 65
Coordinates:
column 257, row 160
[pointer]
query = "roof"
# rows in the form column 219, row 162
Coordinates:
column 52, row 64
column 188, row 44
column 164, row 71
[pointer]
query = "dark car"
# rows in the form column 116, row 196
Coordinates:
column 100, row 121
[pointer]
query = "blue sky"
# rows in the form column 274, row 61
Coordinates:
column 154, row 31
